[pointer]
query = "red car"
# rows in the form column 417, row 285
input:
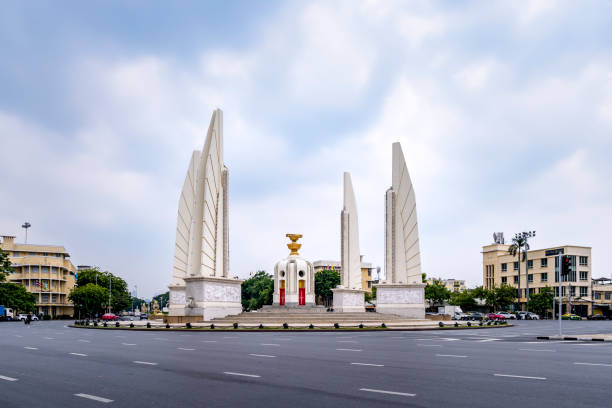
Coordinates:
column 109, row 316
column 494, row 316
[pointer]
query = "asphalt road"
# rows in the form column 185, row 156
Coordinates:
column 51, row 365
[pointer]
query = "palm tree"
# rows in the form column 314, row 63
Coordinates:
column 519, row 243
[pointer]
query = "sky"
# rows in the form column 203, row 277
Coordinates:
column 503, row 110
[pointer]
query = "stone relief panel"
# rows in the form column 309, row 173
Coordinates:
column 177, row 297
column 401, row 295
column 221, row 292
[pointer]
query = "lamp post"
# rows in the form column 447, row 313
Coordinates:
column 25, row 226
column 525, row 235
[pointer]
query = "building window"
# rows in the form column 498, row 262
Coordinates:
column 45, row 298
column 57, row 255
column 530, row 263
column 563, row 291
column 532, row 291
column 584, row 260
column 572, row 291
column 44, row 269
column 584, row 291
column 597, row 296
column 530, row 277
column 544, row 262
column 27, row 283
column 504, row 267
column 53, row 298
column 516, row 265
column 369, row 272
column 54, row 269
column 544, row 277
column 34, row 269
column 607, row 295
column 584, row 275
column 369, row 284
column 516, row 279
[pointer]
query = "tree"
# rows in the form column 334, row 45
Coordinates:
column 437, row 293
column 136, row 303
column 5, row 265
column 520, row 243
column 464, row 299
column 257, row 291
column 325, row 281
column 89, row 299
column 162, row 299
column 541, row 302
column 17, row 297
column 120, row 297
column 501, row 297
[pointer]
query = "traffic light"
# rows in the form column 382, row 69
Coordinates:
column 566, row 264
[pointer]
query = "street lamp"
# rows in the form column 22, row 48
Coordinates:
column 25, row 226
column 525, row 235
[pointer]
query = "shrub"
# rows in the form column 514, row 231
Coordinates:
column 212, row 325
column 361, row 325
column 188, row 325
column 336, row 325
column 235, row 325
column 260, row 326
column 167, row 325
column 285, row 326
column 384, row 326
column 441, row 324
column 311, row 326
column 148, row 325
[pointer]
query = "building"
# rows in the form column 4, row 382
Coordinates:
column 602, row 297
column 44, row 270
column 453, row 285
column 367, row 271
column 499, row 268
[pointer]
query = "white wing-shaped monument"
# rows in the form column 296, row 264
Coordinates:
column 201, row 288
column 349, row 296
column 402, row 292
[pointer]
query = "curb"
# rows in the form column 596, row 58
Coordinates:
column 280, row 329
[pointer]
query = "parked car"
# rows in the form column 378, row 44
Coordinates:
column 476, row 315
column 596, row 317
column 532, row 316
column 571, row 316
column 109, row 316
column 506, row 315
column 143, row 316
column 24, row 316
column 494, row 316
column 460, row 316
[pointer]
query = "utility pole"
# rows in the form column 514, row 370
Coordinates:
column 110, row 286
column 525, row 235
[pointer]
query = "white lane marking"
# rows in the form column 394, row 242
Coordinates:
column 429, row 345
column 93, row 397
column 450, row 355
column 404, row 394
column 595, row 364
column 31, row 348
column 449, row 339
column 49, row 338
column 18, row 335
column 144, row 362
column 368, row 364
column 209, row 341
column 486, row 340
column 346, row 341
column 128, row 344
column 241, row 374
column 7, row 378
column 78, row 354
column 261, row 355
column 547, row 350
column 186, row 349
column 270, row 344
column 519, row 376
column 158, row 338
column 84, row 341
column 343, row 349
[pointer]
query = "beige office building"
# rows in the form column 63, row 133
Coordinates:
column 44, row 270
column 453, row 285
column 367, row 271
column 499, row 267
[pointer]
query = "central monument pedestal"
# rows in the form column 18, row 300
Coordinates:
column 348, row 300
column 209, row 297
column 407, row 300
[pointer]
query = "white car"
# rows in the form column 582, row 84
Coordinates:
column 507, row 315
column 460, row 316
column 24, row 317
column 532, row 316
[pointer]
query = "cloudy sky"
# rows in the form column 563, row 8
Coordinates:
column 503, row 109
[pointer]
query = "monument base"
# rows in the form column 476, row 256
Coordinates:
column 406, row 300
column 176, row 300
column 207, row 298
column 348, row 300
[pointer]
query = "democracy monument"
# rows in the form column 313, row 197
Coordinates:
column 202, row 291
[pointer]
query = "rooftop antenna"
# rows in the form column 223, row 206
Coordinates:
column 25, row 226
